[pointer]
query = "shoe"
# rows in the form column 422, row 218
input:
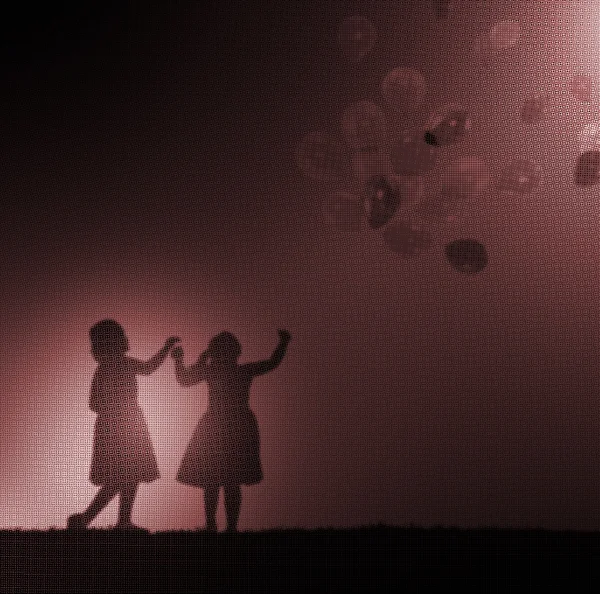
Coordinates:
column 211, row 527
column 130, row 527
column 75, row 522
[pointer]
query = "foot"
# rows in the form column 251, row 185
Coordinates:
column 76, row 522
column 130, row 527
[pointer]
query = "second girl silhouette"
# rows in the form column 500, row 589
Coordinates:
column 224, row 450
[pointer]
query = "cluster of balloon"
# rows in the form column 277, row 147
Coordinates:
column 380, row 201
column 356, row 37
column 587, row 169
column 466, row 255
column 520, row 177
column 407, row 238
column 411, row 155
column 364, row 126
column 323, row 157
column 534, row 109
column 447, row 125
column 581, row 87
column 342, row 212
column 404, row 89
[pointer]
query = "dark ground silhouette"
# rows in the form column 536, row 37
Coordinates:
column 369, row 559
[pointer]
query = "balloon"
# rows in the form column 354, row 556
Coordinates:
column 407, row 238
column 323, row 157
column 411, row 155
column 467, row 255
column 356, row 36
column 520, row 177
column 589, row 137
column 364, row 126
column 504, row 35
column 587, row 169
column 467, row 177
column 380, row 201
column 581, row 87
column 533, row 110
column 404, row 88
column 447, row 125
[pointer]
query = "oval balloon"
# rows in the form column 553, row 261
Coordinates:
column 380, row 201
column 364, row 126
column 411, row 155
column 407, row 238
column 447, row 125
column 587, row 170
column 356, row 36
column 467, row 255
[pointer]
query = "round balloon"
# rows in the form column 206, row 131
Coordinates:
column 504, row 34
column 581, row 87
column 589, row 137
column 322, row 157
column 467, row 176
column 407, row 238
column 587, row 170
column 447, row 125
column 404, row 88
column 467, row 255
column 364, row 126
column 356, row 36
column 520, row 177
column 411, row 155
column 380, row 201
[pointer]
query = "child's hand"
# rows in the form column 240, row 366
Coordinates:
column 177, row 353
column 284, row 335
column 171, row 341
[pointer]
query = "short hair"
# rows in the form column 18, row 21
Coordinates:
column 225, row 344
column 108, row 338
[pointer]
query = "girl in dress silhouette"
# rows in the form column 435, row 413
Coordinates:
column 123, row 455
column 224, row 450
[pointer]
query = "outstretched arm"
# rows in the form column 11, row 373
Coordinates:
column 261, row 367
column 150, row 366
column 194, row 374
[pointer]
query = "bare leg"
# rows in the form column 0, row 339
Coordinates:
column 233, row 501
column 128, row 494
column 101, row 500
column 211, row 498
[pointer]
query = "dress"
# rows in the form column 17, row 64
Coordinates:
column 225, row 446
column 122, row 450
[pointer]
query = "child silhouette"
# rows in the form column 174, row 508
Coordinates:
column 224, row 450
column 123, row 455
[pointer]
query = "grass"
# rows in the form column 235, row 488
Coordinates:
column 365, row 559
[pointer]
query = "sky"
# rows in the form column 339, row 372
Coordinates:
column 152, row 173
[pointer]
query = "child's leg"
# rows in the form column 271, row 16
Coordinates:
column 128, row 493
column 211, row 498
column 233, row 501
column 100, row 501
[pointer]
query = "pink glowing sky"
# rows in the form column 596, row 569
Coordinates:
column 153, row 180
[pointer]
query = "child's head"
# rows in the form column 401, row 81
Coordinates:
column 108, row 339
column 224, row 347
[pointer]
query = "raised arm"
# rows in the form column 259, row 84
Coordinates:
column 194, row 374
column 261, row 367
column 150, row 366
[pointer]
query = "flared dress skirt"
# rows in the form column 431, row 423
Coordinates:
column 224, row 450
column 122, row 452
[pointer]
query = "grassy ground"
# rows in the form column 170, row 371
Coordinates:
column 370, row 559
